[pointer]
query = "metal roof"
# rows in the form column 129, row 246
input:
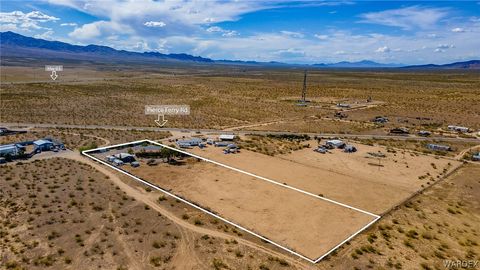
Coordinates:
column 226, row 137
column 42, row 141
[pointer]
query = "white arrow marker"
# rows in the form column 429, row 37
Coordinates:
column 54, row 75
column 161, row 122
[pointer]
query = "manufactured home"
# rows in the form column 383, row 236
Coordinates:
column 438, row 147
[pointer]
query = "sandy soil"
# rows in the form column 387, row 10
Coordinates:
column 298, row 221
column 347, row 178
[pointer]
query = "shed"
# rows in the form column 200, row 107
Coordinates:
column 349, row 149
column 335, row 143
column 221, row 144
column 125, row 157
column 42, row 145
column 226, row 137
column 117, row 162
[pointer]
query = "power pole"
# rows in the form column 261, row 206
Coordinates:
column 304, row 91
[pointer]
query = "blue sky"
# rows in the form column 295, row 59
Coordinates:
column 408, row 32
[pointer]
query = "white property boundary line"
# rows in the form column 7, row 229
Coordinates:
column 376, row 217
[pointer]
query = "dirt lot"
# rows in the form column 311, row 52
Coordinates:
column 58, row 213
column 354, row 179
column 434, row 227
column 63, row 214
column 288, row 217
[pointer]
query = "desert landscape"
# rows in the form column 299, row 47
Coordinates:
column 224, row 135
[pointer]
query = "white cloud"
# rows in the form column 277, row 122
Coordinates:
column 154, row 24
column 9, row 27
column 321, row 37
column 26, row 21
column 383, row 49
column 290, row 53
column 68, row 24
column 445, row 46
column 406, row 18
column 458, row 30
column 293, row 34
column 96, row 29
column 214, row 29
column 46, row 35
column 225, row 33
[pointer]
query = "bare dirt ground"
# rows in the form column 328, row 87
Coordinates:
column 125, row 240
column 439, row 225
column 218, row 99
column 354, row 179
column 63, row 214
column 277, row 213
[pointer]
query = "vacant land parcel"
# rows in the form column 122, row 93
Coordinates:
column 305, row 224
column 359, row 179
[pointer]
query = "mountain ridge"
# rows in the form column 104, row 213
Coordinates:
column 19, row 45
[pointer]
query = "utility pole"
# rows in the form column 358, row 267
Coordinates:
column 304, row 91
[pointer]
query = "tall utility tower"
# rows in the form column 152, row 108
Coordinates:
column 304, row 90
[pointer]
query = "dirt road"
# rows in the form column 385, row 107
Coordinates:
column 186, row 257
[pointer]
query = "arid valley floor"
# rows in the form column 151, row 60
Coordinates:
column 63, row 210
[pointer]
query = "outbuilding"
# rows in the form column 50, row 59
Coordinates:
column 458, row 129
column 189, row 142
column 335, row 143
column 11, row 150
column 125, row 157
column 349, row 149
column 42, row 145
column 438, row 147
column 221, row 144
column 226, row 137
column 117, row 162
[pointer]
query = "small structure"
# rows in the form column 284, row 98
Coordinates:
column 321, row 150
column 221, row 144
column 11, row 150
column 401, row 130
column 349, row 149
column 343, row 105
column 110, row 158
column 189, row 142
column 335, row 143
column 125, row 157
column 380, row 120
column 424, row 133
column 226, row 137
column 438, row 147
column 458, row 129
column 117, row 162
column 476, row 157
column 135, row 164
column 42, row 145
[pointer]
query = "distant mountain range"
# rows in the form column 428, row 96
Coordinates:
column 360, row 64
column 472, row 64
column 16, row 45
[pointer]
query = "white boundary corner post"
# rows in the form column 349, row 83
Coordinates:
column 376, row 217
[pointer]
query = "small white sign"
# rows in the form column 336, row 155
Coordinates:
column 53, row 68
column 167, row 109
